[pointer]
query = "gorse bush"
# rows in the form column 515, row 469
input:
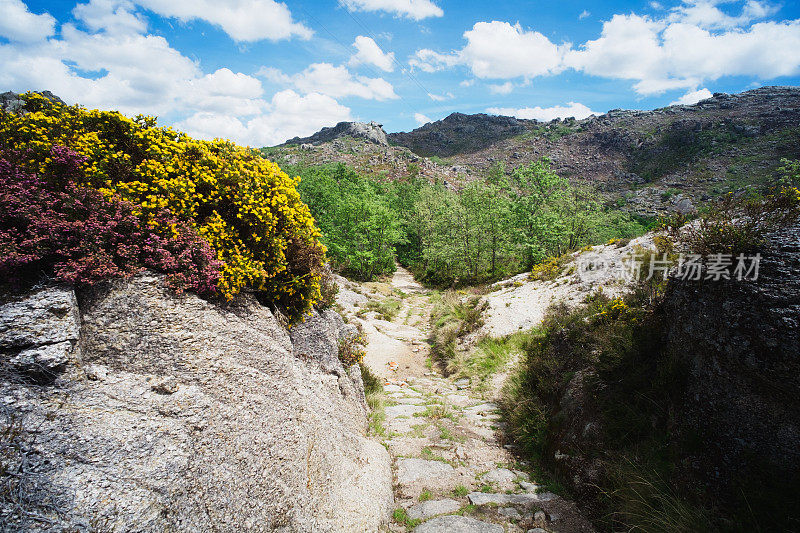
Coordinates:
column 247, row 209
column 75, row 234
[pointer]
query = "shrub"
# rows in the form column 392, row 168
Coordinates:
column 75, row 234
column 738, row 223
column 244, row 206
column 351, row 349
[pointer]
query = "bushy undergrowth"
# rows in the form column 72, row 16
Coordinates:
column 738, row 224
column 52, row 228
column 630, row 383
column 247, row 209
column 603, row 383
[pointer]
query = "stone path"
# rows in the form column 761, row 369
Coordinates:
column 453, row 470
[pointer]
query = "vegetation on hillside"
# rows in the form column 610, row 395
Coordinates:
column 245, row 207
column 602, row 383
column 487, row 230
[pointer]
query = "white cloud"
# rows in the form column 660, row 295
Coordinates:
column 413, row 9
column 505, row 88
column 242, row 20
column 467, row 83
column 692, row 97
column 688, row 46
column 545, row 114
column 118, row 68
column 498, row 50
column 330, row 80
column 706, row 14
column 114, row 16
column 17, row 23
column 584, row 14
column 369, row 53
column 288, row 115
column 422, row 119
column 441, row 97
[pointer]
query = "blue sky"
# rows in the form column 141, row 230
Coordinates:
column 260, row 71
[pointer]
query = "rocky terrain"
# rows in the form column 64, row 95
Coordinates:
column 454, row 471
column 647, row 162
column 134, row 409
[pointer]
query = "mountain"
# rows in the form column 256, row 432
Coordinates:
column 371, row 131
column 647, row 162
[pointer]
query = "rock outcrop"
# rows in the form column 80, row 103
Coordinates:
column 741, row 341
column 13, row 102
column 143, row 410
column 371, row 131
column 460, row 133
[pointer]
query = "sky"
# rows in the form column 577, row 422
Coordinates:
column 259, row 71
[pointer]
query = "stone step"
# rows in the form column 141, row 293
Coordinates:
column 457, row 524
column 429, row 509
column 485, row 498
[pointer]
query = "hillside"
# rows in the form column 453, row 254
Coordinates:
column 647, row 162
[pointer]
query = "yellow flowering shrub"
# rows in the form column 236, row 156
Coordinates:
column 243, row 205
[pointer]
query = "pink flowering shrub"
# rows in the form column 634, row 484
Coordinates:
column 52, row 228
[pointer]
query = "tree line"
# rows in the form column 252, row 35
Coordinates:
column 490, row 229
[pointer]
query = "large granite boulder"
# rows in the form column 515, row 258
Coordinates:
column 169, row 413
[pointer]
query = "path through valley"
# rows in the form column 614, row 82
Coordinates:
column 453, row 470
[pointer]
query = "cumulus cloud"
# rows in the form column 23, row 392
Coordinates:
column 287, row 115
column 413, row 9
column 334, row 81
column 422, row 119
column 19, row 24
column 114, row 16
column 692, row 97
column 116, row 66
column 545, row 114
column 498, row 50
column 242, row 20
column 369, row 53
column 691, row 44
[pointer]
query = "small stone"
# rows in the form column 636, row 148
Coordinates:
column 411, row 470
column 395, row 411
column 165, row 386
column 530, row 487
column 426, row 510
column 539, row 519
column 461, row 383
column 501, row 476
column 510, row 513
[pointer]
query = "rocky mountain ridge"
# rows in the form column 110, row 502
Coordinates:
column 647, row 162
column 370, row 131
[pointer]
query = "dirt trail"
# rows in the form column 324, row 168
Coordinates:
column 453, row 470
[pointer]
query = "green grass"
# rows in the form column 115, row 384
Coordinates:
column 386, row 309
column 425, row 495
column 460, row 491
column 453, row 316
column 491, row 355
column 401, row 517
column 376, row 400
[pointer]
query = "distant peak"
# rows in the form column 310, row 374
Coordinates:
column 371, row 131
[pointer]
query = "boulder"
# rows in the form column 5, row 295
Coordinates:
column 182, row 415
